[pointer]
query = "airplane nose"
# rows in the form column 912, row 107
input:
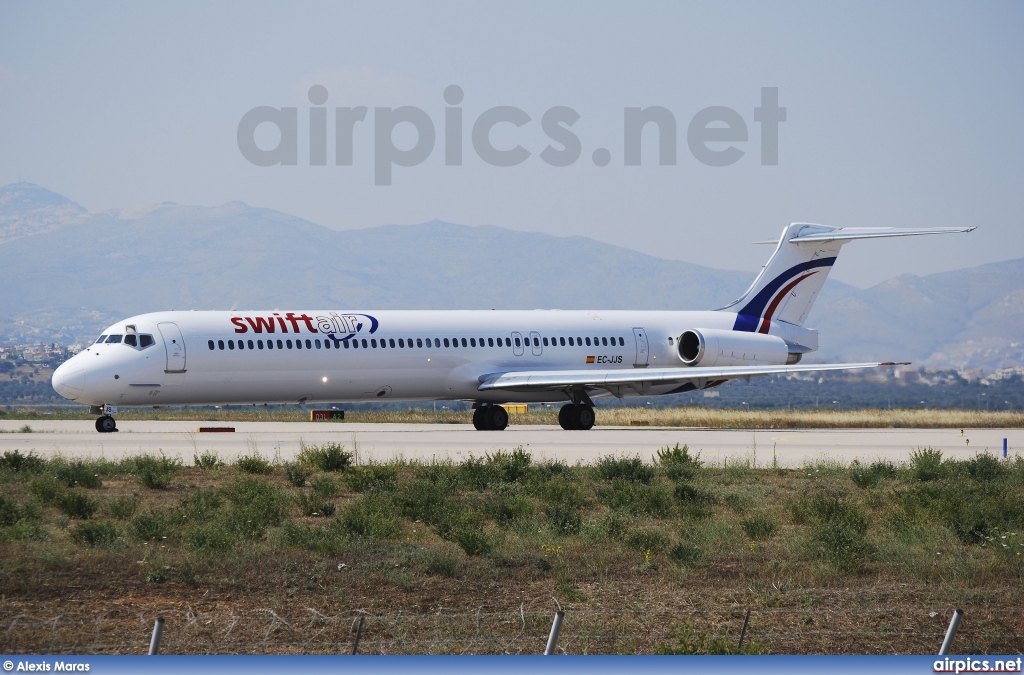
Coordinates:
column 69, row 380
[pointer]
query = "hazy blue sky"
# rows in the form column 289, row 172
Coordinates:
column 897, row 114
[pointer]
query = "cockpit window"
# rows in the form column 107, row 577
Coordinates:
column 114, row 339
column 100, row 339
column 145, row 341
column 131, row 340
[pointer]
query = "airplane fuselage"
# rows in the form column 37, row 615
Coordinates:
column 211, row 357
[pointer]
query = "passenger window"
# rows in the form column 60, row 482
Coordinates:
column 211, row 344
column 472, row 342
column 391, row 342
column 220, row 344
column 231, row 344
column 545, row 342
column 604, row 342
column 259, row 343
column 536, row 342
column 288, row 343
column 490, row 342
column 309, row 344
column 622, row 343
column 345, row 342
column 100, row 339
column 464, row 343
column 113, row 339
column 373, row 342
column 571, row 343
column 588, row 342
column 130, row 340
column 365, row 344
column 270, row 344
column 327, row 344
column 401, row 343
column 518, row 343
column 298, row 344
column 145, row 341
column 446, row 342
column 241, row 344
column 317, row 342
column 250, row 344
column 280, row 345
column 419, row 342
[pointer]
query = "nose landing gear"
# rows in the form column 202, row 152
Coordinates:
column 106, row 424
column 490, row 418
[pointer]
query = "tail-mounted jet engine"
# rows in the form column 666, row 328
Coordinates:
column 710, row 347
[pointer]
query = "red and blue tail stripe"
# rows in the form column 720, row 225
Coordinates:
column 756, row 315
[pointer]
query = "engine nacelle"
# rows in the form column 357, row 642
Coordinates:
column 710, row 347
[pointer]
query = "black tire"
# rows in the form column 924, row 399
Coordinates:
column 497, row 418
column 567, row 417
column 585, row 417
column 480, row 418
column 106, row 424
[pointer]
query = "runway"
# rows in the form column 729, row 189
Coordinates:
column 282, row 440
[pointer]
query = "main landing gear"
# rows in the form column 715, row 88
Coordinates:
column 106, row 424
column 576, row 417
column 490, row 418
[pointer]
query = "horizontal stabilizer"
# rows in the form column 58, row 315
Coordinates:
column 553, row 380
column 850, row 233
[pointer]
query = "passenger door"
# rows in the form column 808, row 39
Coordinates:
column 643, row 351
column 517, row 344
column 538, row 349
column 174, row 345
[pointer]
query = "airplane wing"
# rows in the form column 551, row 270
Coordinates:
column 641, row 378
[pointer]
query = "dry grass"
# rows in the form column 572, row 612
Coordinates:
column 689, row 416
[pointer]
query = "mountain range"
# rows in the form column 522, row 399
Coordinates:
column 67, row 273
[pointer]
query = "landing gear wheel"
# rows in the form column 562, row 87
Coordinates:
column 106, row 424
column 566, row 415
column 576, row 417
column 480, row 419
column 497, row 418
column 585, row 417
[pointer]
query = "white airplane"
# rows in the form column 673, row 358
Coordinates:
column 488, row 357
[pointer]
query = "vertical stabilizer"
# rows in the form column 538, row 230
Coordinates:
column 789, row 283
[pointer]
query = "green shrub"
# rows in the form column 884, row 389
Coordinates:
column 199, row 506
column 509, row 467
column 46, row 488
column 423, row 499
column 371, row 516
column 150, row 526
column 692, row 643
column 8, row 512
column 678, row 463
column 76, row 473
column 75, row 504
column 866, row 477
column 96, row 533
column 760, row 526
column 566, row 518
column 505, row 505
column 207, row 460
column 472, row 541
column 327, row 457
column 442, row 565
column 685, row 554
column 626, row 468
column 325, row 487
column 123, row 508
column 926, row 464
column 838, row 529
column 636, row 498
column 371, row 477
column 217, row 536
column 254, row 464
column 647, row 539
column 19, row 463
column 296, row 474
column 155, row 472
column 312, row 504
column 985, row 467
column 255, row 506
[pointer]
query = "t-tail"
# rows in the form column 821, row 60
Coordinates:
column 790, row 281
